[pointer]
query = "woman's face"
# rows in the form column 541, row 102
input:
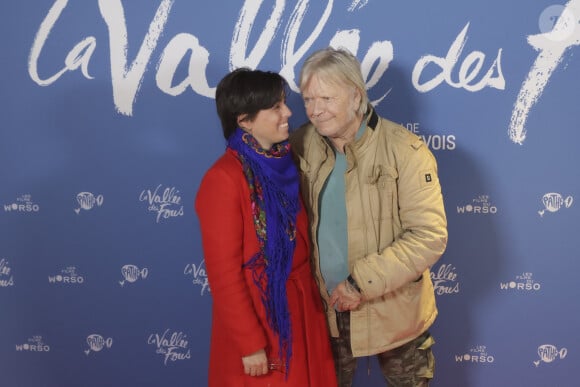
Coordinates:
column 270, row 126
column 331, row 107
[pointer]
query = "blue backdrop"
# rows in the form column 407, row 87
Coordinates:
column 108, row 123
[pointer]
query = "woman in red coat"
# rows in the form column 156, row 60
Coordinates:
column 268, row 324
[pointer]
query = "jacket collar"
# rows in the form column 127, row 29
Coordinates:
column 373, row 118
column 372, row 123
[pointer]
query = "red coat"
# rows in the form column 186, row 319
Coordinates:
column 239, row 325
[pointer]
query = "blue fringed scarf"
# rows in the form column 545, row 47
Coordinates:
column 273, row 181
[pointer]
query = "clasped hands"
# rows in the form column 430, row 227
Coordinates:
column 345, row 297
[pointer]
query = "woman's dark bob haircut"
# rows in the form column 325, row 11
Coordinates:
column 245, row 91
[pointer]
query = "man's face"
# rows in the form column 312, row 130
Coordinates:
column 332, row 108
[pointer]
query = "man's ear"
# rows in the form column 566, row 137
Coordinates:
column 357, row 97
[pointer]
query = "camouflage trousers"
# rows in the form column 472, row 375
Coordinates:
column 410, row 365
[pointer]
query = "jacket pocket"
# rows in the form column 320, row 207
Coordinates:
column 382, row 191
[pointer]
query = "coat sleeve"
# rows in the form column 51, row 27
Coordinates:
column 219, row 207
column 421, row 224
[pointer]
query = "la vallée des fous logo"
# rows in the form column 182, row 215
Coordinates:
column 445, row 279
column 165, row 203
column 198, row 275
column 6, row 277
column 172, row 345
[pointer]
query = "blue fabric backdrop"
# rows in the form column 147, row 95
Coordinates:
column 108, row 123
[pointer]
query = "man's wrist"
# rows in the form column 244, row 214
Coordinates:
column 352, row 282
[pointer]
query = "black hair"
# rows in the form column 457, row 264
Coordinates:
column 245, row 91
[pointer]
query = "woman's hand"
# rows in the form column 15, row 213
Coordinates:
column 256, row 364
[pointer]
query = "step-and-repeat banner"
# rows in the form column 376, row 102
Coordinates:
column 107, row 124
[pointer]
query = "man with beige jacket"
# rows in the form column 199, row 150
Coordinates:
column 377, row 223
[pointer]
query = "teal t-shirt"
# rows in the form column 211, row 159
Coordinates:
column 332, row 231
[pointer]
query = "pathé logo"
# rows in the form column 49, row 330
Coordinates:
column 132, row 273
column 97, row 343
column 548, row 353
column 554, row 201
column 87, row 200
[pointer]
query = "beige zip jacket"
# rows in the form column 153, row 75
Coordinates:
column 397, row 228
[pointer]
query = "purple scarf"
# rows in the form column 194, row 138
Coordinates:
column 274, row 183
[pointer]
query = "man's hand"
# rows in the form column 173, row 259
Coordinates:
column 345, row 297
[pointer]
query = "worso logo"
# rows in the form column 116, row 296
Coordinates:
column 554, row 202
column 522, row 282
column 33, row 344
column 23, row 204
column 480, row 205
column 67, row 276
column 479, row 354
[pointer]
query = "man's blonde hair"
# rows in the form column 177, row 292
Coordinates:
column 338, row 66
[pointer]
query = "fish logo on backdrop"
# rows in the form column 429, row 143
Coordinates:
column 478, row 354
column 554, row 202
column 132, row 273
column 480, row 205
column 97, row 343
column 23, row 203
column 173, row 346
column 549, row 353
column 33, row 344
column 68, row 276
column 445, row 280
column 6, row 278
column 87, row 201
column 165, row 203
column 199, row 275
column 523, row 282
